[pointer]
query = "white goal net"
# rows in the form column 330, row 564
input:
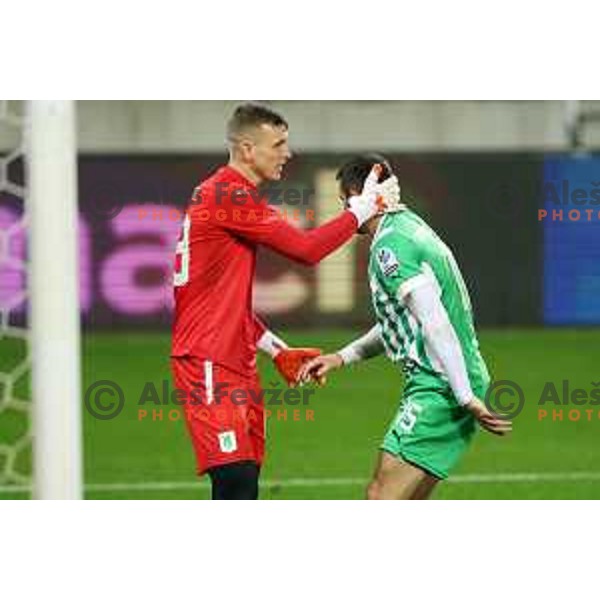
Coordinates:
column 15, row 389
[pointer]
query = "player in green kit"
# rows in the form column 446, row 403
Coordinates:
column 424, row 323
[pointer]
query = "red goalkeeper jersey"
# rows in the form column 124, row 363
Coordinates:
column 215, row 263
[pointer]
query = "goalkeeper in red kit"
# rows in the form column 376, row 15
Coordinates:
column 216, row 332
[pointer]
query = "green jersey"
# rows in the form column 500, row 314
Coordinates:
column 405, row 253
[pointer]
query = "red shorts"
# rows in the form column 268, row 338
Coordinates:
column 224, row 412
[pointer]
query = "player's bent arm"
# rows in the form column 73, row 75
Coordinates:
column 426, row 306
column 363, row 348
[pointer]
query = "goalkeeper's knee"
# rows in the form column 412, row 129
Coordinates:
column 235, row 481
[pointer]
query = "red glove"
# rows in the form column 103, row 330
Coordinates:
column 289, row 360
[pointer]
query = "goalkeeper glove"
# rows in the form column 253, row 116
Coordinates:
column 388, row 195
column 375, row 197
column 364, row 207
column 289, row 360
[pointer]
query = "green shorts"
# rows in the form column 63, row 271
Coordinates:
column 430, row 430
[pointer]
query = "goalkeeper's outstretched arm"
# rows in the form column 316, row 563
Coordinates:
column 310, row 247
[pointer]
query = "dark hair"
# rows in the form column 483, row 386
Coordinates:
column 353, row 173
column 250, row 115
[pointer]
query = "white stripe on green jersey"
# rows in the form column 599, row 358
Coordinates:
column 405, row 252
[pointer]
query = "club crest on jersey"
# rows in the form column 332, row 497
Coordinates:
column 387, row 261
column 227, row 441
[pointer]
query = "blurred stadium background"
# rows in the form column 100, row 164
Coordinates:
column 479, row 172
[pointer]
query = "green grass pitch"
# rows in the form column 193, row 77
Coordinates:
column 332, row 456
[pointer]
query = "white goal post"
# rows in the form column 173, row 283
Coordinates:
column 51, row 205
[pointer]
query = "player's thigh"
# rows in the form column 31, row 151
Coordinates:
column 396, row 479
column 223, row 413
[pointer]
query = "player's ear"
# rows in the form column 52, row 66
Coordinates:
column 246, row 149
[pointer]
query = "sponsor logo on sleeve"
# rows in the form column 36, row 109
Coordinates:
column 388, row 262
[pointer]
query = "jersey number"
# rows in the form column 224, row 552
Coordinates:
column 409, row 415
column 182, row 255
